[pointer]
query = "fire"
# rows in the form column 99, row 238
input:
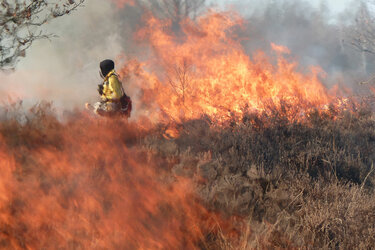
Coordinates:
column 204, row 70
column 122, row 3
column 78, row 185
column 280, row 49
column 82, row 184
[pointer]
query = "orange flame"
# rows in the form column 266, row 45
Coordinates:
column 280, row 49
column 207, row 72
column 122, row 3
column 81, row 187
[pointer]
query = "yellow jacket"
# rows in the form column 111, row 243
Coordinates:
column 112, row 88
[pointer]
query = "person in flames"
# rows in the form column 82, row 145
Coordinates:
column 114, row 101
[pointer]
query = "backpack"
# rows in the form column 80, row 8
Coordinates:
column 126, row 104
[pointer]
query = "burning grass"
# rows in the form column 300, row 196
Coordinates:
column 247, row 153
column 85, row 184
column 204, row 70
column 264, row 182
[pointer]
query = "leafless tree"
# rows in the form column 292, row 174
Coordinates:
column 179, row 9
column 179, row 79
column 175, row 10
column 361, row 35
column 21, row 22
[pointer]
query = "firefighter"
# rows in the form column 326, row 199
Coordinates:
column 113, row 98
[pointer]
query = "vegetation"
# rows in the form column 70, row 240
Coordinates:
column 275, row 183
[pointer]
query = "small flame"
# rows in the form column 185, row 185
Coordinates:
column 280, row 49
column 123, row 3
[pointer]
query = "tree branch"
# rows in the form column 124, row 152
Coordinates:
column 19, row 25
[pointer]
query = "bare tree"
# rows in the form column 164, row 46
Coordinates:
column 20, row 23
column 175, row 10
column 179, row 78
column 363, row 34
column 178, row 10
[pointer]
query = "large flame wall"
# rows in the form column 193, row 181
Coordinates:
column 203, row 70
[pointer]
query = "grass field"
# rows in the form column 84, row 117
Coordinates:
column 262, row 182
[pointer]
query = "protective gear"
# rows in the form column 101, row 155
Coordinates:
column 126, row 105
column 106, row 66
column 114, row 100
column 112, row 88
column 100, row 89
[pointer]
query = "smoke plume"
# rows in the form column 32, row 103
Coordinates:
column 64, row 70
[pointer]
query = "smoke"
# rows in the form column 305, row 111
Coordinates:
column 316, row 32
column 314, row 36
column 65, row 69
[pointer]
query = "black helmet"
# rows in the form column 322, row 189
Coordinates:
column 106, row 66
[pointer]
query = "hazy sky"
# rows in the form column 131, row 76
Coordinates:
column 336, row 6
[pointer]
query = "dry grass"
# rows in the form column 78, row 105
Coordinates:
column 280, row 184
column 297, row 185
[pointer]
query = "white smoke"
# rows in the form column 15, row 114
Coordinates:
column 65, row 69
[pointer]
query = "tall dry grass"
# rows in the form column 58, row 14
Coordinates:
column 276, row 184
column 307, row 184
